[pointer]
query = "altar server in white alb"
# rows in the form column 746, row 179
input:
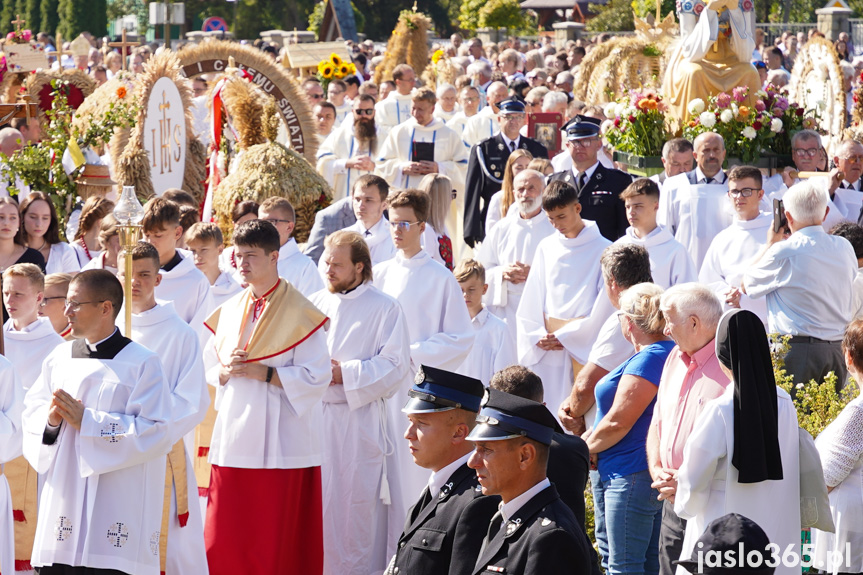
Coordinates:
column 97, row 427
column 493, row 347
column 369, row 199
column 294, row 266
column 670, row 263
column 157, row 327
column 370, row 350
column 693, row 205
column 733, row 250
column 395, row 109
column 508, row 250
column 351, row 151
column 440, row 330
column 28, row 340
column 563, row 285
column 182, row 283
column 484, row 124
column 422, row 145
column 11, row 406
column 269, row 361
column 205, row 241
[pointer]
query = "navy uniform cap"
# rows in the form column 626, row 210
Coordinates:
column 439, row 390
column 506, row 416
column 581, row 127
column 511, row 106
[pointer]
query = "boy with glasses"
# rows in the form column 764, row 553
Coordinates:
column 293, row 265
column 441, row 333
column 733, row 249
column 336, row 95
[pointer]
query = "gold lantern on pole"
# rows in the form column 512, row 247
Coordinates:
column 129, row 212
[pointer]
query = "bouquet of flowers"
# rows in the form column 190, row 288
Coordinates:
column 745, row 129
column 794, row 118
column 334, row 68
column 639, row 124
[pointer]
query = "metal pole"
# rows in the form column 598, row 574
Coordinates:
column 128, row 238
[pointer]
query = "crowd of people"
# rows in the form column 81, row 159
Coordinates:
column 475, row 329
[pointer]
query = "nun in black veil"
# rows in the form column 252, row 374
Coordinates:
column 742, row 456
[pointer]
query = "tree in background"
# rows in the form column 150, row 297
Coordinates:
column 33, row 15
column 78, row 16
column 50, row 18
column 476, row 14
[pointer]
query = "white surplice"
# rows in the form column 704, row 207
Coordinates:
column 707, row 486
column 340, row 147
column 11, row 407
column 224, row 289
column 161, row 330
column 379, row 239
column 441, row 336
column 731, row 252
column 694, row 213
column 299, row 269
column 458, row 122
column 395, row 109
column 62, row 259
column 670, row 263
column 189, row 289
column 258, row 424
column 482, row 126
column 450, row 154
column 101, row 503
column 362, row 508
column 493, row 348
column 28, row 348
column 564, row 282
column 513, row 239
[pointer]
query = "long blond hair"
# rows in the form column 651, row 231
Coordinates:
column 508, row 198
column 439, row 189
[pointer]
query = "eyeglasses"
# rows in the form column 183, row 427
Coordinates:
column 315, row 96
column 512, row 116
column 471, row 99
column 403, row 226
column 365, row 111
column 454, row 194
column 74, row 306
column 745, row 192
column 852, row 159
column 275, row 221
column 45, row 300
column 805, row 152
column 335, row 92
column 583, row 143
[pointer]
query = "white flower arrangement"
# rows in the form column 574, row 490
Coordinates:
column 696, row 106
column 776, row 125
column 707, row 119
column 726, row 116
column 749, row 133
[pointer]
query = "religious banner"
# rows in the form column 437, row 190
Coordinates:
column 165, row 135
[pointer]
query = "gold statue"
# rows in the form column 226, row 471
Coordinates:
column 713, row 55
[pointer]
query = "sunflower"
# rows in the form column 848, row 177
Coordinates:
column 327, row 71
column 336, row 60
column 344, row 70
column 437, row 56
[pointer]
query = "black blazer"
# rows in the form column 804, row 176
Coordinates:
column 484, row 178
column 445, row 537
column 600, row 199
column 542, row 538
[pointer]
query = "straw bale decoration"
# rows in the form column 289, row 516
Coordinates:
column 132, row 163
column 38, row 86
column 407, row 45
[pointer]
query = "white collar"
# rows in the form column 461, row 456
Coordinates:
column 481, row 317
column 507, row 141
column 439, row 478
column 589, row 171
column 511, row 508
column 719, row 178
column 93, row 346
column 849, row 186
column 289, row 249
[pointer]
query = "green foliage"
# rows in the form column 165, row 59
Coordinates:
column 503, row 14
column 817, row 403
column 32, row 15
column 616, row 16
column 7, row 14
column 317, row 17
column 78, row 16
column 50, row 18
column 468, row 17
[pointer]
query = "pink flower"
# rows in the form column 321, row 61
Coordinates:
column 760, row 106
column 617, row 122
column 756, row 125
column 27, row 35
column 781, row 103
column 723, row 100
column 631, row 119
column 739, row 94
column 10, row 36
column 778, row 113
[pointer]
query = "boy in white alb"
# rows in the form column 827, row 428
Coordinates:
column 396, row 107
column 370, row 349
column 493, row 347
column 670, row 263
column 294, row 266
column 182, row 283
column 28, row 341
column 564, row 283
column 97, row 428
column 733, row 249
column 440, row 330
column 157, row 327
column 369, row 200
column 205, row 241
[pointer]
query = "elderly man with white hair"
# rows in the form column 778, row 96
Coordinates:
column 691, row 378
column 447, row 105
column 808, row 281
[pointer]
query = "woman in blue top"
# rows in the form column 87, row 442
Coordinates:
column 627, row 511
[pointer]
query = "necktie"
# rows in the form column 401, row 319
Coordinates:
column 493, row 528
column 368, row 233
column 582, row 180
column 708, row 180
column 512, row 146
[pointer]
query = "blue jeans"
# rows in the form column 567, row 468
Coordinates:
column 628, row 518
